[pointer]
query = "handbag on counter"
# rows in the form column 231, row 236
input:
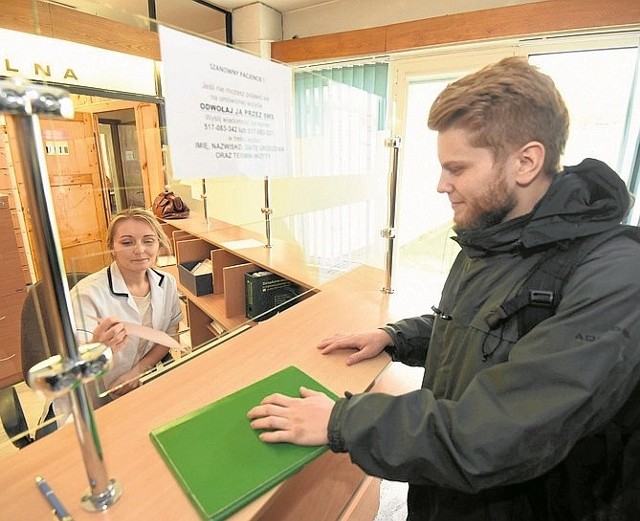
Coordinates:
column 168, row 205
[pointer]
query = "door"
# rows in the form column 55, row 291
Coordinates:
column 154, row 177
column 121, row 161
column 424, row 250
column 78, row 196
column 131, row 152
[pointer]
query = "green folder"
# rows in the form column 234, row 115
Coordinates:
column 218, row 459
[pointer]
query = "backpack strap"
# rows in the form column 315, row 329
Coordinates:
column 540, row 294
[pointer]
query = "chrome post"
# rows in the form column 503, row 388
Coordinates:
column 389, row 233
column 267, row 211
column 66, row 372
column 203, row 196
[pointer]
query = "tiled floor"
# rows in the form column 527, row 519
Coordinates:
column 393, row 501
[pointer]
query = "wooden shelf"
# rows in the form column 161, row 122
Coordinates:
column 193, row 240
column 214, row 307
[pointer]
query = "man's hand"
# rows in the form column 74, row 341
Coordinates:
column 368, row 344
column 285, row 419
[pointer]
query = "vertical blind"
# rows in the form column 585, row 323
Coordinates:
column 339, row 115
column 314, row 89
column 340, row 127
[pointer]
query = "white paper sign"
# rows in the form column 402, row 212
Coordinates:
column 228, row 112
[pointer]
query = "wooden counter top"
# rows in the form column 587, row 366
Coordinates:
column 149, row 489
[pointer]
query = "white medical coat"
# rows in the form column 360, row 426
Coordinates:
column 104, row 293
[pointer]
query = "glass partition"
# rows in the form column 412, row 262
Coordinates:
column 297, row 233
column 284, row 235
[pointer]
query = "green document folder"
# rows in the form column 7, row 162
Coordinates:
column 218, row 459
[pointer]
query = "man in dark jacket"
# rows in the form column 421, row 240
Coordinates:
column 503, row 425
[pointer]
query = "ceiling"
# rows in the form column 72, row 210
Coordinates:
column 284, row 6
column 190, row 15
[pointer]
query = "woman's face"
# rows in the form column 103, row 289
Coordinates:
column 135, row 245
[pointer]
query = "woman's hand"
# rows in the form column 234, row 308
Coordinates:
column 368, row 344
column 111, row 332
column 126, row 382
column 302, row 421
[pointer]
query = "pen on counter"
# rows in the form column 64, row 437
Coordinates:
column 47, row 492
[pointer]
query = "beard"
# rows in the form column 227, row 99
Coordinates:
column 491, row 207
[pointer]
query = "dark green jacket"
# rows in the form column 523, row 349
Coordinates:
column 496, row 411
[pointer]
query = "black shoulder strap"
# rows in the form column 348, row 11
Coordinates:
column 539, row 296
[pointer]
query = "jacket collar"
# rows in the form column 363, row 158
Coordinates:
column 582, row 200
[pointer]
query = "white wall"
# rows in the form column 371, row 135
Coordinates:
column 346, row 15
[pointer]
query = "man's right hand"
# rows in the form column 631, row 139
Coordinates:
column 368, row 344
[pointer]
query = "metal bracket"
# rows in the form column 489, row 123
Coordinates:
column 28, row 99
column 393, row 142
column 388, row 233
column 57, row 376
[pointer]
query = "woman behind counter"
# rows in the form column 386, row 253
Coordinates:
column 129, row 290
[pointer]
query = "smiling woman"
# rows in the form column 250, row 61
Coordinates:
column 130, row 290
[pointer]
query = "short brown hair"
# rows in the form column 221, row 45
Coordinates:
column 505, row 106
column 142, row 215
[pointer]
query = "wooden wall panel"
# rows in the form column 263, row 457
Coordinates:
column 550, row 16
column 8, row 183
column 18, row 15
column 87, row 257
column 542, row 17
column 75, row 26
column 75, row 204
column 513, row 21
column 338, row 45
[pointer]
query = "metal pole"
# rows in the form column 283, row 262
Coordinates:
column 204, row 201
column 389, row 233
column 267, row 211
column 25, row 102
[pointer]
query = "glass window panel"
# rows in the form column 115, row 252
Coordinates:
column 340, row 116
column 596, row 86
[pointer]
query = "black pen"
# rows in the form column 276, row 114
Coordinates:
column 58, row 508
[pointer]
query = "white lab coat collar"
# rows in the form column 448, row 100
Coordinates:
column 118, row 288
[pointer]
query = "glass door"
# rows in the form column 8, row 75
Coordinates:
column 424, row 249
column 597, row 75
column 600, row 83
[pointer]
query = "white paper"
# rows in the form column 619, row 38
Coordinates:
column 229, row 113
column 165, row 260
column 202, row 268
column 157, row 337
column 243, row 243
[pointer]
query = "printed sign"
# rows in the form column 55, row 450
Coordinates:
column 228, row 112
column 34, row 57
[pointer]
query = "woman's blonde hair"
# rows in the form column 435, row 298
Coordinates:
column 142, row 215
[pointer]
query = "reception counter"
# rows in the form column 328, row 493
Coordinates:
column 328, row 488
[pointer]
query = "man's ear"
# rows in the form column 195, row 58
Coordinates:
column 530, row 161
